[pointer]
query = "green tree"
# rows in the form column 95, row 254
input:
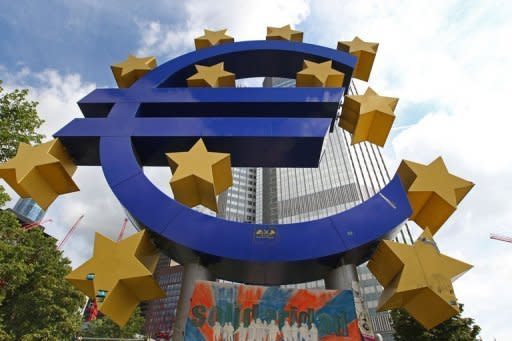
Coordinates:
column 456, row 328
column 36, row 303
column 18, row 123
column 104, row 327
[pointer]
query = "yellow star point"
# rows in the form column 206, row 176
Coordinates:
column 417, row 278
column 284, row 33
column 433, row 192
column 211, row 76
column 41, row 172
column 365, row 53
column 199, row 175
column 212, row 38
column 368, row 117
column 319, row 75
column 119, row 275
column 132, row 69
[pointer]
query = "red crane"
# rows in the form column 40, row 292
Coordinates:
column 501, row 237
column 122, row 229
column 35, row 224
column 70, row 232
column 91, row 310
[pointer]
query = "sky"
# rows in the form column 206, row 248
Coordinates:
column 446, row 61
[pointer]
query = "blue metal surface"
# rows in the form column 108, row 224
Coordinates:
column 163, row 115
column 126, row 129
column 252, row 142
column 352, row 233
column 261, row 58
column 334, row 235
column 242, row 102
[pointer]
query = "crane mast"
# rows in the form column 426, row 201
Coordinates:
column 70, row 232
column 501, row 237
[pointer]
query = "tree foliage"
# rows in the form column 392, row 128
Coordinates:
column 104, row 327
column 456, row 328
column 18, row 121
column 36, row 303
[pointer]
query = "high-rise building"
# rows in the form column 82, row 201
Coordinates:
column 29, row 209
column 238, row 203
column 371, row 290
column 346, row 176
column 160, row 314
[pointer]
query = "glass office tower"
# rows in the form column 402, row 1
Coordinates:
column 238, row 203
column 29, row 209
column 291, row 195
column 160, row 314
column 346, row 176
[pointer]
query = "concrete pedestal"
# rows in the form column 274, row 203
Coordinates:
column 191, row 274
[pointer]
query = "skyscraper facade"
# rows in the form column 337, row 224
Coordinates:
column 29, row 209
column 346, row 176
column 238, row 203
column 160, row 314
column 292, row 195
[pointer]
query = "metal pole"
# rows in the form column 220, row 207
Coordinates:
column 341, row 278
column 192, row 272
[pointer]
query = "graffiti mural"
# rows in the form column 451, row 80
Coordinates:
column 229, row 312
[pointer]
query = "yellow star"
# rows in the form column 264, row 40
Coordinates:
column 41, row 172
column 211, row 76
column 119, row 275
column 417, row 278
column 319, row 75
column 199, row 175
column 368, row 117
column 284, row 33
column 365, row 53
column 432, row 191
column 129, row 71
column 211, row 38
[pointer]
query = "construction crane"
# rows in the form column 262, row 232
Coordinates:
column 35, row 224
column 70, row 232
column 501, row 237
column 122, row 229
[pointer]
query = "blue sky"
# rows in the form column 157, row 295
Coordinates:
column 73, row 36
column 448, row 62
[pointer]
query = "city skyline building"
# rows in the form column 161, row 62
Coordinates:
column 29, row 209
column 346, row 176
column 160, row 314
column 239, row 202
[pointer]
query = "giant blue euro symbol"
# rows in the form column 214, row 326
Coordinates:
column 126, row 129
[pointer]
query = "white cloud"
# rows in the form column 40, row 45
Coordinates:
column 57, row 95
column 450, row 54
column 245, row 20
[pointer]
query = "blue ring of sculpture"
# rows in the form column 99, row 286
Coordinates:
column 125, row 129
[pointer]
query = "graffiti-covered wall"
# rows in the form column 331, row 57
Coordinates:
column 227, row 312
